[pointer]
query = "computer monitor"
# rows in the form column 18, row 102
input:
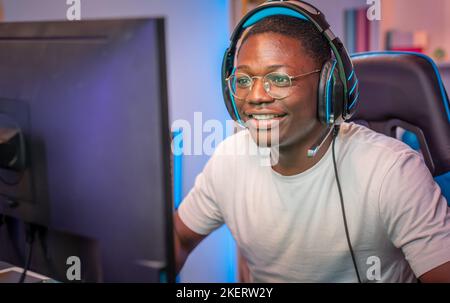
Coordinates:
column 88, row 101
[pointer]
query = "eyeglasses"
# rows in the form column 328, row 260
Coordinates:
column 276, row 84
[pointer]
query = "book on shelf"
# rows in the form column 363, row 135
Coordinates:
column 360, row 34
column 398, row 40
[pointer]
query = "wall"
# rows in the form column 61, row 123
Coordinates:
column 447, row 27
column 334, row 12
column 1, row 10
column 413, row 15
column 446, row 70
column 197, row 34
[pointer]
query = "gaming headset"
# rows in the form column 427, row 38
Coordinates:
column 338, row 90
column 338, row 86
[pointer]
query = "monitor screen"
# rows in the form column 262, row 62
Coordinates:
column 88, row 101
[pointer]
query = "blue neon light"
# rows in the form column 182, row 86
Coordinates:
column 353, row 88
column 234, row 105
column 177, row 137
column 272, row 11
column 444, row 183
column 351, row 75
column 354, row 101
column 328, row 91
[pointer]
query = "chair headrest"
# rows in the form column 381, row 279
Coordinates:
column 406, row 87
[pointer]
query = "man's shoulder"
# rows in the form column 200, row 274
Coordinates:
column 365, row 142
column 367, row 152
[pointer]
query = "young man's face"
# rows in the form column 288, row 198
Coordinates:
column 271, row 52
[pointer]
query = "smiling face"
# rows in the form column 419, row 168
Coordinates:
column 295, row 116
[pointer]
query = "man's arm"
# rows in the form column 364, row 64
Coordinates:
column 417, row 218
column 185, row 241
column 244, row 272
column 440, row 274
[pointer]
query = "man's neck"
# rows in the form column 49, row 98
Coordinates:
column 293, row 159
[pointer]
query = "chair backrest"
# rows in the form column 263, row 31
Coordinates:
column 403, row 89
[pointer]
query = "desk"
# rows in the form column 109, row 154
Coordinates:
column 11, row 274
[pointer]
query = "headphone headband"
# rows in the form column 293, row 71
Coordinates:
column 298, row 9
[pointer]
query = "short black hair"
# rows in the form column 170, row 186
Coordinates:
column 312, row 41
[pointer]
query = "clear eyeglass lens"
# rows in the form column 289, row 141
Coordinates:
column 278, row 79
column 279, row 84
column 275, row 84
column 240, row 85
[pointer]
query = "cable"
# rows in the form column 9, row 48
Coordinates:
column 335, row 134
column 29, row 239
column 42, row 238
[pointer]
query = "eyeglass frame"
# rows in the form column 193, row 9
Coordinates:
column 265, row 89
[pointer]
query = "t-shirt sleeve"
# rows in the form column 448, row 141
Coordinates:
column 199, row 210
column 415, row 213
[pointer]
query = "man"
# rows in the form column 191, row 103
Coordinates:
column 287, row 218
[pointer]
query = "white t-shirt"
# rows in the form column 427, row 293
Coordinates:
column 290, row 228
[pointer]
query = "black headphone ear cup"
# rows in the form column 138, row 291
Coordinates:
column 226, row 67
column 324, row 82
column 338, row 102
column 228, row 99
